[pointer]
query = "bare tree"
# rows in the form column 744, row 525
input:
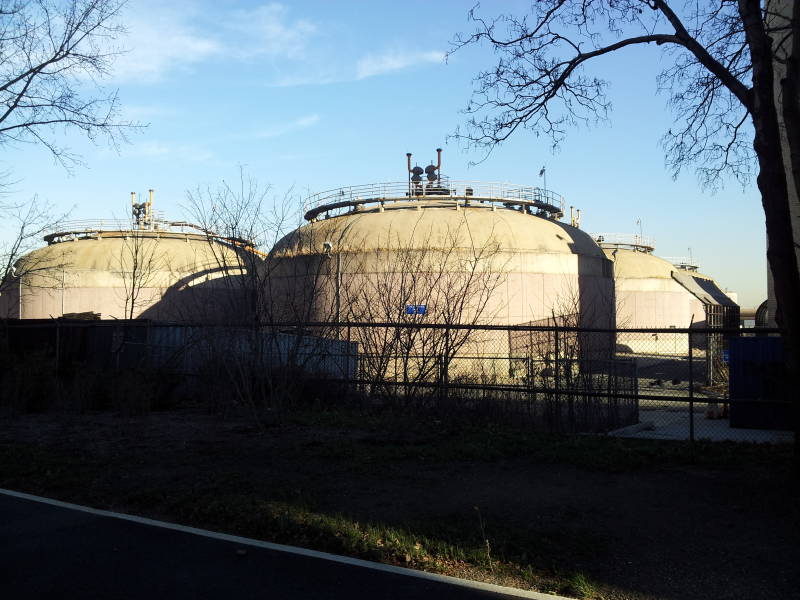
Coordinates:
column 454, row 277
column 52, row 53
column 730, row 107
column 26, row 224
column 140, row 262
column 258, row 362
column 243, row 216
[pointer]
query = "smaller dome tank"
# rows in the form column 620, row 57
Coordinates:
column 141, row 269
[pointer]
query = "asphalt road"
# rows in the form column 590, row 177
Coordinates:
column 55, row 552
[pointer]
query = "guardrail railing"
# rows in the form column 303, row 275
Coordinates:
column 625, row 239
column 339, row 198
column 682, row 262
column 66, row 230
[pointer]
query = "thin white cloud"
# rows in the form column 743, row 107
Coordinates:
column 301, row 79
column 367, row 66
column 165, row 38
column 137, row 112
column 372, row 65
column 284, row 128
column 163, row 42
column 150, row 149
column 183, row 152
column 267, row 30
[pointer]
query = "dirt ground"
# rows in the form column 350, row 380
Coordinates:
column 641, row 528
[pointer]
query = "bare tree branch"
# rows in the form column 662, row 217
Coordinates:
column 52, row 53
column 541, row 80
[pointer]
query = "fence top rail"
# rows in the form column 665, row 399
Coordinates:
column 297, row 325
column 486, row 327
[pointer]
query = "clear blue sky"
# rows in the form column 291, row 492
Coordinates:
column 323, row 94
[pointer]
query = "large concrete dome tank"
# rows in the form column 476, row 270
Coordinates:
column 440, row 252
column 536, row 267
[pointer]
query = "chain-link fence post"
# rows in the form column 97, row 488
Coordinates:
column 446, row 369
column 691, row 390
column 557, row 365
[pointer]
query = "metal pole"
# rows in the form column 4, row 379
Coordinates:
column 446, row 365
column 350, row 361
column 338, row 293
column 557, row 366
column 63, row 275
column 691, row 390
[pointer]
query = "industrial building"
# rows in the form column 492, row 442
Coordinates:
column 147, row 267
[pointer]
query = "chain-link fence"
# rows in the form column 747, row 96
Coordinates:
column 719, row 384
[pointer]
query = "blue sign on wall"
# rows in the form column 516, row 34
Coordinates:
column 416, row 309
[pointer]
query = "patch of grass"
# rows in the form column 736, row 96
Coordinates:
column 579, row 586
column 453, row 546
column 376, row 439
column 456, row 544
column 278, row 485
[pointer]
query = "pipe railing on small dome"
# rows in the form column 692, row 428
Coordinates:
column 631, row 241
column 91, row 228
column 684, row 263
column 346, row 199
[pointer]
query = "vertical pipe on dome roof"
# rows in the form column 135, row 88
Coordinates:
column 149, row 212
column 408, row 156
column 134, row 215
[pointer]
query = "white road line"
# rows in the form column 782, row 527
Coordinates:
column 477, row 585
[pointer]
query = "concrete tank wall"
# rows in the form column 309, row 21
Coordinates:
column 467, row 265
column 517, row 267
column 160, row 275
column 648, row 296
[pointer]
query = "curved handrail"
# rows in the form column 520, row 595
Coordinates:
column 334, row 200
column 627, row 240
column 68, row 230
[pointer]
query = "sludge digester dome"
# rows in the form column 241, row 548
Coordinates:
column 654, row 292
column 510, row 266
column 446, row 252
column 145, row 268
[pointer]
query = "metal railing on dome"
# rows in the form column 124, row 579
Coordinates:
column 682, row 262
column 90, row 225
column 632, row 240
column 76, row 229
column 334, row 200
